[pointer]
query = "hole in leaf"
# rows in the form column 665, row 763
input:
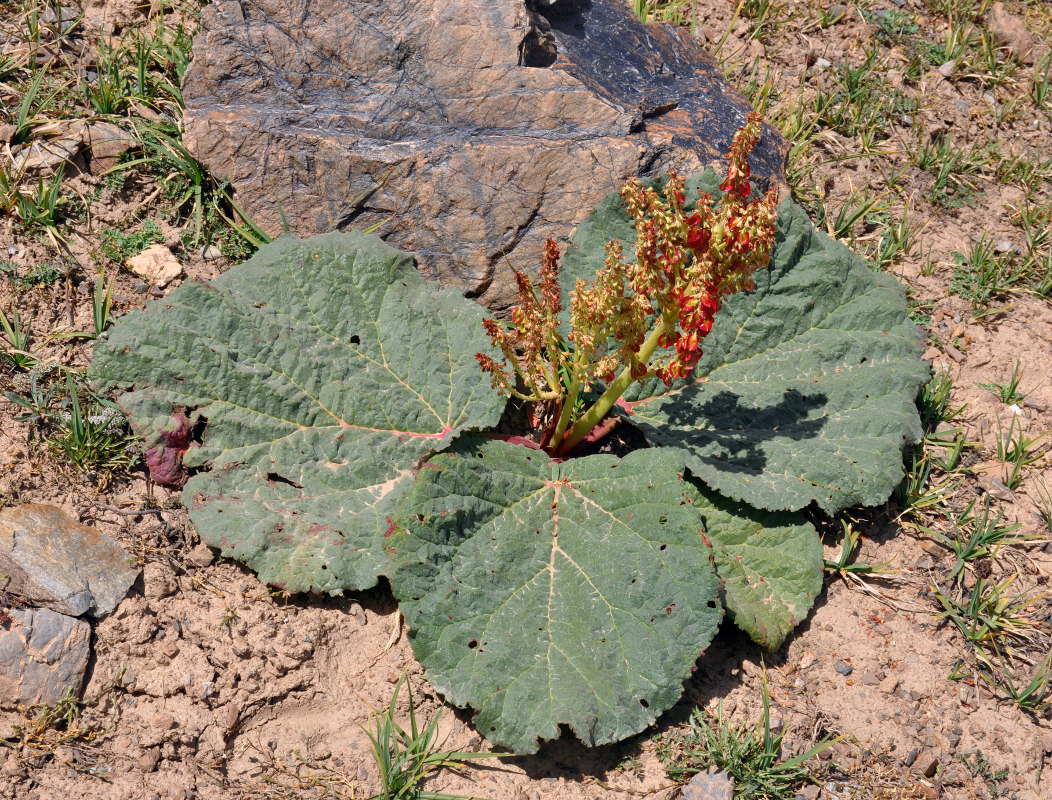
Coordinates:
column 473, row 643
column 356, row 339
column 662, row 520
column 663, row 547
column 711, row 604
column 276, row 478
column 643, row 702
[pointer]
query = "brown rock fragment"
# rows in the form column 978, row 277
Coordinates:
column 106, row 143
column 1009, row 30
column 889, row 684
column 55, row 562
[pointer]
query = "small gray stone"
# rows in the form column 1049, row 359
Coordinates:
column 995, row 488
column 810, row 792
column 710, row 785
column 55, row 562
column 947, row 69
column 843, row 667
column 201, row 556
column 42, row 655
column 869, row 678
column 140, row 287
column 211, row 253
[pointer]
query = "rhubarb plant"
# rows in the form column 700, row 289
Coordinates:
column 323, row 409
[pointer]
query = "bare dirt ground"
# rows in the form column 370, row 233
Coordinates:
column 207, row 684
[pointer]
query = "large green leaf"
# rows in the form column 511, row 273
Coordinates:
column 806, row 392
column 543, row 593
column 770, row 565
column 325, row 369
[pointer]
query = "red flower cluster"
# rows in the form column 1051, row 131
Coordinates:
column 701, row 258
column 685, row 266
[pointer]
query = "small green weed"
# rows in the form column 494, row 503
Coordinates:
column 1035, row 696
column 41, row 209
column 405, row 758
column 845, row 563
column 977, row 535
column 18, row 336
column 1043, row 501
column 41, row 388
column 751, row 755
column 41, row 275
column 979, row 767
column 112, row 91
column 984, row 276
column 933, row 401
column 119, row 246
column 1007, row 392
column 200, row 202
column 891, row 27
column 101, row 303
column 766, row 16
column 954, row 168
column 897, row 237
column 918, row 489
column 1041, row 87
column 1016, row 449
column 953, row 443
column 986, row 614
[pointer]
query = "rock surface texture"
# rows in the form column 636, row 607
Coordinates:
column 42, row 654
column 53, row 561
column 471, row 129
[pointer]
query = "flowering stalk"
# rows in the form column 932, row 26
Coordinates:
column 665, row 298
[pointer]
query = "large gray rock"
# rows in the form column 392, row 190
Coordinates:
column 471, row 129
column 42, row 655
column 53, row 561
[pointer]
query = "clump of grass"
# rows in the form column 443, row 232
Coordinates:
column 92, row 437
column 405, row 758
column 751, row 754
column 18, row 335
column 987, row 613
column 1007, row 392
column 1035, row 696
column 1017, row 450
column 977, row 535
column 83, row 430
column 934, row 401
column 983, row 275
